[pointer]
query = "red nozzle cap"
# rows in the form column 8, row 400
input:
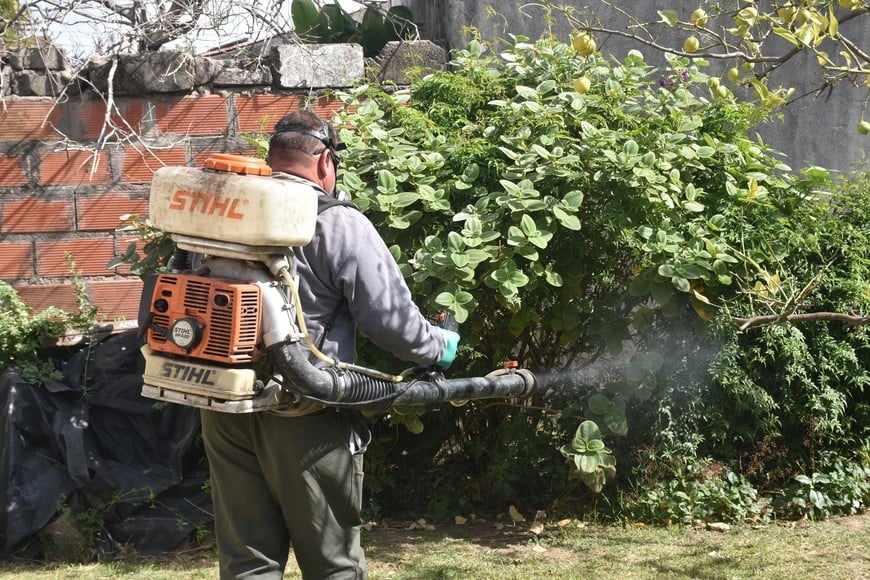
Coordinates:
column 237, row 164
column 511, row 364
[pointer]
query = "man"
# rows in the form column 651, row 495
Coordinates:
column 295, row 476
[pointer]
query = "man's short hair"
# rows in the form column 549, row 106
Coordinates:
column 302, row 131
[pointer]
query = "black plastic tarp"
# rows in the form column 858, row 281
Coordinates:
column 91, row 444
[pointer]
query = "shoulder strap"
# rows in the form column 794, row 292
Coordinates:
column 324, row 202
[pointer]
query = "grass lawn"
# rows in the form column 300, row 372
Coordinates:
column 838, row 548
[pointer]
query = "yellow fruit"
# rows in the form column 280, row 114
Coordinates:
column 584, row 43
column 864, row 127
column 713, row 82
column 582, row 85
column 721, row 92
column 848, row 4
column 699, row 17
column 691, row 44
column 734, row 74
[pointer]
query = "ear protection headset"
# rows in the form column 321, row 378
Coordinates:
column 322, row 135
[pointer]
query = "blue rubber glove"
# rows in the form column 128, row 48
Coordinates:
column 451, row 343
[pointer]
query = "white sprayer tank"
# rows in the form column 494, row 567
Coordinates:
column 232, row 207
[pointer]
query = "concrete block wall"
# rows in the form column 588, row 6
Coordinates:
column 62, row 195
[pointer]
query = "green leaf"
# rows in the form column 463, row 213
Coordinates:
column 595, row 445
column 516, row 237
column 690, row 271
column 541, row 239
column 455, row 242
column 406, row 198
column 599, row 404
column 546, row 86
column 305, row 15
column 386, row 181
column 445, row 299
column 553, row 278
column 615, row 418
column 527, row 224
column 669, row 17
column 630, row 147
column 573, row 199
column 567, row 220
column 527, row 92
column 459, row 260
column 587, row 463
column 588, row 430
column 475, row 257
column 680, row 284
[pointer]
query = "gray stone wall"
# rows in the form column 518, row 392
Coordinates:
column 44, row 72
column 818, row 129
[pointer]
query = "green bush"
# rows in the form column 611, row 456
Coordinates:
column 24, row 336
column 843, row 490
column 621, row 242
column 697, row 491
column 669, row 277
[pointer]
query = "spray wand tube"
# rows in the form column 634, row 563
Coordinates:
column 344, row 385
column 338, row 387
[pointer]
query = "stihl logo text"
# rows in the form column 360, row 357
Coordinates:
column 207, row 204
column 188, row 373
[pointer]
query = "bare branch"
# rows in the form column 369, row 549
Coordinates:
column 850, row 319
column 738, row 54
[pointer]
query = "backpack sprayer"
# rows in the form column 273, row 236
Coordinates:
column 229, row 337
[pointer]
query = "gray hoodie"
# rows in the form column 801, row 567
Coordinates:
column 348, row 272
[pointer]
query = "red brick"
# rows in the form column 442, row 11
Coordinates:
column 104, row 211
column 74, row 167
column 116, row 299
column 16, row 260
column 41, row 296
column 11, row 173
column 35, row 215
column 139, row 166
column 86, row 120
column 326, row 107
column 259, row 113
column 30, row 119
column 192, row 115
column 91, row 256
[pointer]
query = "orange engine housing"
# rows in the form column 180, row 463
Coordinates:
column 205, row 318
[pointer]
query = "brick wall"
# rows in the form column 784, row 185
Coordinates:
column 63, row 192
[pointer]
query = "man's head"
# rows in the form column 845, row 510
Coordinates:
column 305, row 145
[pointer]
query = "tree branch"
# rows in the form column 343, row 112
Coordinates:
column 850, row 319
column 661, row 48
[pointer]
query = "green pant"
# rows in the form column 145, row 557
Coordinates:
column 278, row 481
